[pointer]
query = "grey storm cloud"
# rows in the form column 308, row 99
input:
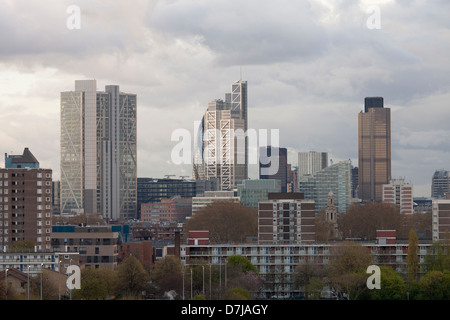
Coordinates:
column 309, row 65
column 245, row 32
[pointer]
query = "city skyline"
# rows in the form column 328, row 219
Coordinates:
column 309, row 66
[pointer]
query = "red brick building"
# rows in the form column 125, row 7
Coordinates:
column 174, row 209
column 142, row 250
column 26, row 207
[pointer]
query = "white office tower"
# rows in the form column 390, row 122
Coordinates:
column 311, row 162
column 221, row 151
column 98, row 151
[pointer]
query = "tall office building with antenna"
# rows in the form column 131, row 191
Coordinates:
column 221, row 150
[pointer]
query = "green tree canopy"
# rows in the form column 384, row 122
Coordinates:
column 412, row 258
column 132, row 278
column 96, row 284
column 242, row 264
column 392, row 286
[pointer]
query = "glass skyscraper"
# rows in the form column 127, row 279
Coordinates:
column 221, row 150
column 374, row 149
column 336, row 178
column 252, row 191
column 98, row 151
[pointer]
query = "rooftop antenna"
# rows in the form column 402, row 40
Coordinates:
column 240, row 70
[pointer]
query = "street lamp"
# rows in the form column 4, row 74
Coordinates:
column 28, row 282
column 182, row 271
column 59, row 278
column 210, row 282
column 70, row 289
column 6, row 284
column 42, row 271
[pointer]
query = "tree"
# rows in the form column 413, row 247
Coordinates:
column 347, row 268
column 438, row 257
column 324, row 229
column 362, row 221
column 23, row 244
column 412, row 258
column 226, row 222
column 435, row 285
column 304, row 273
column 314, row 288
column 96, row 284
column 392, row 286
column 241, row 263
column 236, row 294
column 132, row 278
column 167, row 275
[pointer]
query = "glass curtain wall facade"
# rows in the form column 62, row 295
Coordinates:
column 107, row 185
column 72, row 169
column 374, row 149
column 252, row 191
column 335, row 178
column 221, row 144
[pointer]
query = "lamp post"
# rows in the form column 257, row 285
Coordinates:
column 210, row 282
column 182, row 271
column 203, row 269
column 6, row 284
column 28, row 282
column 42, row 271
column 70, row 289
column 59, row 279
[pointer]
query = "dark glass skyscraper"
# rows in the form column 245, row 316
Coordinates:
column 274, row 154
column 374, row 149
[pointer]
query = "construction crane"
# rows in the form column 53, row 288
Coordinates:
column 182, row 177
column 167, row 176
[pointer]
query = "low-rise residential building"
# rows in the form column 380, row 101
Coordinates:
column 441, row 219
column 276, row 262
column 96, row 245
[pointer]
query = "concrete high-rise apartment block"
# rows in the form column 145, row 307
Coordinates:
column 374, row 149
column 286, row 218
column 311, row 162
column 98, row 151
column 399, row 193
column 281, row 174
column 440, row 183
column 441, row 219
column 221, row 150
column 25, row 202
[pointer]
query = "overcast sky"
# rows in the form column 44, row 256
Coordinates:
column 309, row 65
